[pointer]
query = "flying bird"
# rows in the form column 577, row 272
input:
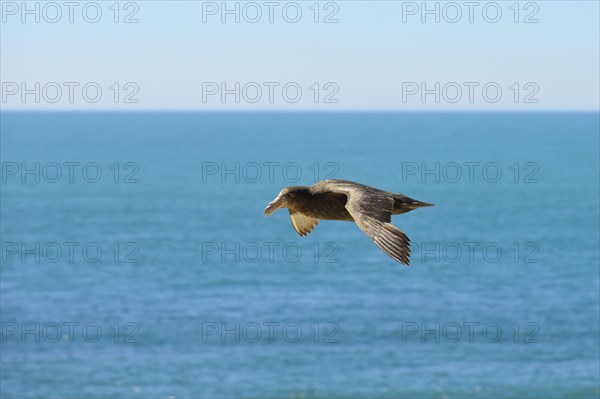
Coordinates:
column 370, row 208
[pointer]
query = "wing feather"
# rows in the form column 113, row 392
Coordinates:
column 372, row 210
column 302, row 223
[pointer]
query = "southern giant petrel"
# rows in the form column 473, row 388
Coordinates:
column 370, row 208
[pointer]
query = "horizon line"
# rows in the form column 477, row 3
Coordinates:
column 305, row 110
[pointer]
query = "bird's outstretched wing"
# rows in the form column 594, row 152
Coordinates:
column 372, row 209
column 302, row 223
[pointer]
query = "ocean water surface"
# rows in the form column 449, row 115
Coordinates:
column 137, row 262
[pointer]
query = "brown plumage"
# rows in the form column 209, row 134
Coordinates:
column 370, row 208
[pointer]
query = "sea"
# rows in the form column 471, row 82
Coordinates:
column 137, row 261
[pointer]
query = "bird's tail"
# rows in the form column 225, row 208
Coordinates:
column 403, row 204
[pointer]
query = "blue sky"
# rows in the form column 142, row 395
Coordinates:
column 379, row 55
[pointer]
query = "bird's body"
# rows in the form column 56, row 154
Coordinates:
column 323, row 206
column 370, row 208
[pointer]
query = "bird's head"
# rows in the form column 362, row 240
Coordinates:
column 286, row 198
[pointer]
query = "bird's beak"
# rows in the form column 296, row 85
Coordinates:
column 273, row 206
